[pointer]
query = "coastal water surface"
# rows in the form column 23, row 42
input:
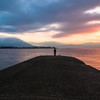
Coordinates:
column 9, row 57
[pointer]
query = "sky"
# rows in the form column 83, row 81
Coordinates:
column 51, row 22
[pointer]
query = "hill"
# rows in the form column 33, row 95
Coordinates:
column 14, row 42
column 50, row 78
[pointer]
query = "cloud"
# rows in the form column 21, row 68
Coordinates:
column 31, row 15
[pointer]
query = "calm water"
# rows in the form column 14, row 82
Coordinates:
column 9, row 57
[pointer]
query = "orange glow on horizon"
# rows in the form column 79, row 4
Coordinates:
column 91, row 35
column 92, row 30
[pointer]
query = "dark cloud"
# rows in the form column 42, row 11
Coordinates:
column 25, row 15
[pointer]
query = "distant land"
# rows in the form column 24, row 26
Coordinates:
column 11, row 47
column 61, row 45
column 13, row 42
column 17, row 43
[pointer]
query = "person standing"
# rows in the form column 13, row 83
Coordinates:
column 54, row 51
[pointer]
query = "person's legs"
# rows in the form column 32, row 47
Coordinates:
column 54, row 53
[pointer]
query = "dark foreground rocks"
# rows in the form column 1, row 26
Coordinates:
column 50, row 78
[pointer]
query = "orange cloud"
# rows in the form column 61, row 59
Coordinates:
column 90, row 30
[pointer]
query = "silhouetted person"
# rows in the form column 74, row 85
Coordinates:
column 54, row 51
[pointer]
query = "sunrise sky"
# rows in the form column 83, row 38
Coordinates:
column 51, row 22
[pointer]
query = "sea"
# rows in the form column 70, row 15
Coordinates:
column 10, row 57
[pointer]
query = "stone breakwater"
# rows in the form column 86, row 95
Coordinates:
column 50, row 78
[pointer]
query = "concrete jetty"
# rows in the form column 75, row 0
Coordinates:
column 50, row 78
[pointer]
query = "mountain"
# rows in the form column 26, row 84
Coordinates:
column 15, row 42
column 61, row 45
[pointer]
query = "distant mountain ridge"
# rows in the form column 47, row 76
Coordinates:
column 14, row 42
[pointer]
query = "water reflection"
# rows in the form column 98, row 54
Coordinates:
column 9, row 57
column 89, row 56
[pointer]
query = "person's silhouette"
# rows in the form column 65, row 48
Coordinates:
column 54, row 51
